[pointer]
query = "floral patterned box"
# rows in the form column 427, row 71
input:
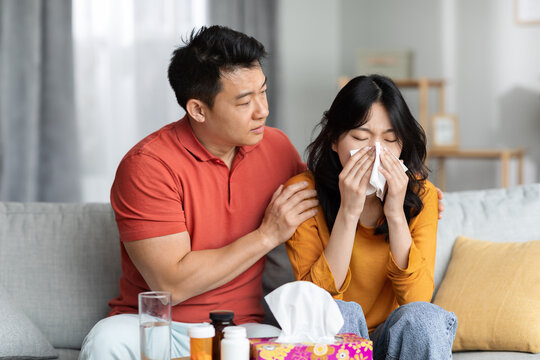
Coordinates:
column 346, row 347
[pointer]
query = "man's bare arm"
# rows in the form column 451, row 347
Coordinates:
column 168, row 263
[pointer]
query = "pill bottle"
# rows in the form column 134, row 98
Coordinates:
column 200, row 341
column 220, row 319
column 235, row 345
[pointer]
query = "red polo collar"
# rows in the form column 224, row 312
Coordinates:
column 187, row 138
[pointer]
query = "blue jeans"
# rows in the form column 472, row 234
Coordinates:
column 419, row 330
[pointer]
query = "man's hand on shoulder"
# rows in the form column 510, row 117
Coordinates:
column 289, row 207
column 440, row 197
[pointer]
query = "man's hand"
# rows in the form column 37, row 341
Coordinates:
column 168, row 262
column 288, row 208
column 440, row 196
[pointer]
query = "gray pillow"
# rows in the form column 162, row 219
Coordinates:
column 21, row 339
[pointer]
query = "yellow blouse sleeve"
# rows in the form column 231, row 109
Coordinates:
column 306, row 252
column 415, row 283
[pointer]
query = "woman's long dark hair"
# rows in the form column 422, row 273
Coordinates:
column 350, row 110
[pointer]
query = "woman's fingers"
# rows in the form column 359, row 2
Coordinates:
column 391, row 162
column 353, row 160
column 363, row 167
column 367, row 175
column 393, row 172
column 360, row 169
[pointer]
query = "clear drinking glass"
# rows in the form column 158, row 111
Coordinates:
column 155, row 325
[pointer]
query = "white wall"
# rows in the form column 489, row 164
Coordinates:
column 497, row 89
column 392, row 24
column 491, row 64
column 309, row 57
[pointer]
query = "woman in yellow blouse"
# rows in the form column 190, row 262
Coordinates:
column 377, row 253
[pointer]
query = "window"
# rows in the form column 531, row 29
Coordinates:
column 122, row 51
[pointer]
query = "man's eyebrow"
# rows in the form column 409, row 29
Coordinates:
column 247, row 93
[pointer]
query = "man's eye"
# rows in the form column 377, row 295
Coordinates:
column 244, row 104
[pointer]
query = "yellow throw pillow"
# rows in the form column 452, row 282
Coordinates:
column 494, row 289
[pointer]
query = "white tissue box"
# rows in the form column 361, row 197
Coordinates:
column 346, row 346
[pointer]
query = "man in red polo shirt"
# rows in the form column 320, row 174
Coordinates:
column 199, row 202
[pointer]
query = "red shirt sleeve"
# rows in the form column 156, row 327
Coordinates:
column 147, row 199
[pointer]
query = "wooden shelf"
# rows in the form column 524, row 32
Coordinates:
column 412, row 82
column 418, row 82
column 503, row 155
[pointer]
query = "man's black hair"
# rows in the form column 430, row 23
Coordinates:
column 195, row 68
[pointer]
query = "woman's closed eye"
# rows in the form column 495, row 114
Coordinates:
column 359, row 139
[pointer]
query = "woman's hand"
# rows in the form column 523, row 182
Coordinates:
column 396, row 180
column 354, row 180
column 353, row 183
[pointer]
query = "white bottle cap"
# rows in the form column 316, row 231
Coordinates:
column 234, row 332
column 201, row 331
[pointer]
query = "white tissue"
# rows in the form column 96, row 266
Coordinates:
column 305, row 312
column 377, row 180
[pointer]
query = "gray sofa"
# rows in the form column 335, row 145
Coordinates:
column 60, row 264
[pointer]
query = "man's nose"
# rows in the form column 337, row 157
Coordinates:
column 261, row 110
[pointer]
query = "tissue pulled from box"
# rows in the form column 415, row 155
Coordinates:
column 305, row 312
column 377, row 180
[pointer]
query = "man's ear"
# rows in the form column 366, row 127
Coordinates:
column 196, row 110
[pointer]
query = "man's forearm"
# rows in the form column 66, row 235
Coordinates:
column 204, row 270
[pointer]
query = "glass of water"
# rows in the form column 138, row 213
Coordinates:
column 155, row 325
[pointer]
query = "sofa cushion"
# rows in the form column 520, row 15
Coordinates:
column 61, row 262
column 21, row 339
column 500, row 215
column 68, row 354
column 494, row 289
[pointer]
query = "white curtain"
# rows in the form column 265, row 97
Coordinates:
column 122, row 51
